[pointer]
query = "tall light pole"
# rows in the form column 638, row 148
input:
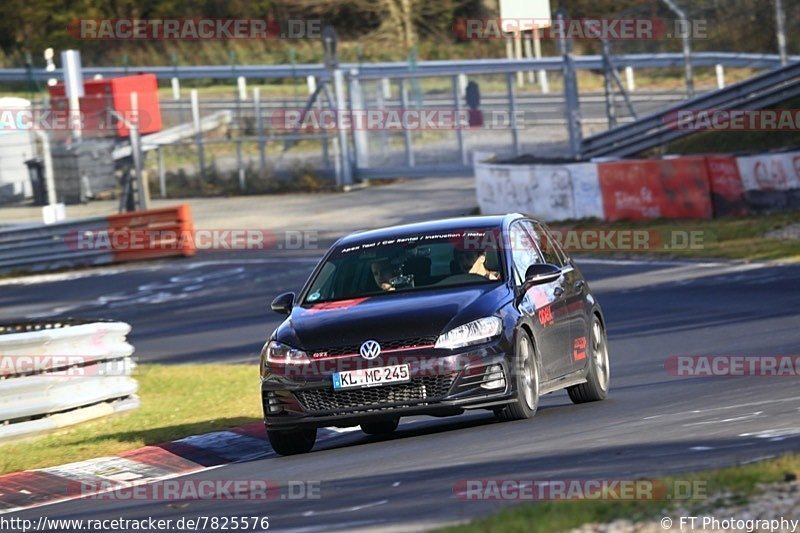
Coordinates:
column 686, row 31
column 780, row 27
column 329, row 43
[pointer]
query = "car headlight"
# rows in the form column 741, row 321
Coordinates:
column 474, row 332
column 283, row 354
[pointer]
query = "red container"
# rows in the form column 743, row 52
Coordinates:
column 101, row 96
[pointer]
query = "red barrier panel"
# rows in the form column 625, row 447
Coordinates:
column 152, row 234
column 630, row 189
column 727, row 192
column 685, row 189
column 642, row 189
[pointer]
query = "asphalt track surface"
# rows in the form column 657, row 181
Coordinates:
column 214, row 308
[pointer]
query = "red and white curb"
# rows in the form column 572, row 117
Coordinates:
column 34, row 488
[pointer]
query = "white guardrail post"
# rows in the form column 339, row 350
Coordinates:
column 56, row 374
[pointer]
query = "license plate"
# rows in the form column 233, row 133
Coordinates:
column 370, row 377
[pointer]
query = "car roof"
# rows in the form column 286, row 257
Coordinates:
column 432, row 226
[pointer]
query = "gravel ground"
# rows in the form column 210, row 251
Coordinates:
column 777, row 502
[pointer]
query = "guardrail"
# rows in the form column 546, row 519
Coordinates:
column 658, row 128
column 38, row 247
column 177, row 133
column 55, row 374
column 422, row 68
column 96, row 241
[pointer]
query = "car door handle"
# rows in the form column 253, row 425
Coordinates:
column 558, row 291
column 579, row 285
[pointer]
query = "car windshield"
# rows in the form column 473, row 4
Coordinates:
column 407, row 263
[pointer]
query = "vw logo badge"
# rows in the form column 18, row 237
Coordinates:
column 370, row 349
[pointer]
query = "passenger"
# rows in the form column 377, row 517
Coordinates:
column 474, row 262
column 382, row 272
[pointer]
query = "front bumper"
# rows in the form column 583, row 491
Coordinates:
column 441, row 385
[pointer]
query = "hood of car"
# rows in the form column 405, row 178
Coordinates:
column 415, row 316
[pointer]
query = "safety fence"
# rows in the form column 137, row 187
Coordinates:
column 96, row 241
column 390, row 69
column 697, row 186
column 56, row 374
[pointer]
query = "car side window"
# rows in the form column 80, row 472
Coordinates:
column 545, row 242
column 524, row 252
column 556, row 244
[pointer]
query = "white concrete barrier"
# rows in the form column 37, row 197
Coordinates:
column 549, row 192
column 767, row 172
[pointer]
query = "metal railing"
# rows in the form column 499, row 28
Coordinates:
column 247, row 152
column 421, row 68
column 658, row 128
column 39, row 247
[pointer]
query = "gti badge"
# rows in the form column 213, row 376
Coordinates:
column 370, row 349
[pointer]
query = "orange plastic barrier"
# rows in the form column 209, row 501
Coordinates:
column 630, row 189
column 684, row 187
column 666, row 188
column 152, row 234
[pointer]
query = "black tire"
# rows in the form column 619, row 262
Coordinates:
column 599, row 374
column 527, row 380
column 292, row 442
column 382, row 427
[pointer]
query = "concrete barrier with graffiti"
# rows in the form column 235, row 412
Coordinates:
column 697, row 186
column 771, row 182
column 553, row 192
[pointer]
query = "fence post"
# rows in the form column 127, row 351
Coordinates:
column 458, row 124
column 512, row 110
column 406, row 132
column 162, row 178
column 686, row 42
column 528, row 55
column 611, row 111
column 360, row 142
column 720, row 70
column 629, row 81
column 198, row 133
column 573, row 107
column 239, row 165
column 381, row 106
column 341, row 107
column 136, row 150
column 241, row 84
column 262, row 156
column 537, row 53
column 518, row 56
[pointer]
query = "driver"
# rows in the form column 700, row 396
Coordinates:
column 382, row 272
column 474, row 262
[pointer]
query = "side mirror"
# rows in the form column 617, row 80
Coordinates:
column 283, row 303
column 541, row 273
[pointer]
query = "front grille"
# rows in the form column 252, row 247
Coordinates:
column 352, row 349
column 416, row 391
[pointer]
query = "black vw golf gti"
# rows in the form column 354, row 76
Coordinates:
column 432, row 318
